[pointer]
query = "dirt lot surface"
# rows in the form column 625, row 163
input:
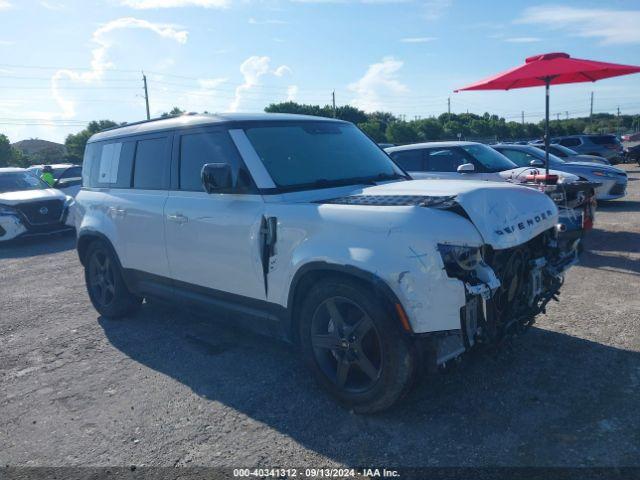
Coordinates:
column 167, row 388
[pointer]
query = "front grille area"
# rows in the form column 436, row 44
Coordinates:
column 44, row 212
column 618, row 189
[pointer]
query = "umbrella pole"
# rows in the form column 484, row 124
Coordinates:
column 547, row 81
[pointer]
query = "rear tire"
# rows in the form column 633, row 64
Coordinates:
column 105, row 285
column 354, row 346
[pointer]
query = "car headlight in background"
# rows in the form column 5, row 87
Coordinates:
column 458, row 260
column 601, row 173
column 4, row 210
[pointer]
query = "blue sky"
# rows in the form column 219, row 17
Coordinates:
column 66, row 62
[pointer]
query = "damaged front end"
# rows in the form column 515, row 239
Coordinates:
column 504, row 290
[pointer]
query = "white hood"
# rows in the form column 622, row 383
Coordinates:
column 518, row 175
column 506, row 215
column 27, row 196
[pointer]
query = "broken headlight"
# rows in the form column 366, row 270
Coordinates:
column 459, row 261
column 5, row 210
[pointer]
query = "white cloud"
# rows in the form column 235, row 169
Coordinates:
column 292, row 93
column 417, row 39
column 6, row 43
column 380, row 80
column 253, row 21
column 522, row 39
column 282, row 70
column 436, row 8
column 5, row 4
column 210, row 83
column 613, row 27
column 252, row 69
column 52, row 5
column 99, row 61
column 152, row 4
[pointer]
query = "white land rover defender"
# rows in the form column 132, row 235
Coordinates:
column 303, row 228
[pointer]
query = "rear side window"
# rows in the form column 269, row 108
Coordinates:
column 197, row 149
column 444, row 160
column 150, row 171
column 570, row 142
column 88, row 163
column 410, row 160
column 604, row 139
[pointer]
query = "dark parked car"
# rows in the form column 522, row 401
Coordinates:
column 632, row 154
column 568, row 155
column 607, row 146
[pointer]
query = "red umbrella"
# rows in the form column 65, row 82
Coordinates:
column 548, row 69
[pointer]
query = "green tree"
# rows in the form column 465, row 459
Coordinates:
column 6, row 151
column 175, row 111
column 401, row 132
column 9, row 156
column 375, row 130
column 75, row 142
column 429, row 129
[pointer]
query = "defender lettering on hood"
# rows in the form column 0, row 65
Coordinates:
column 504, row 214
column 528, row 223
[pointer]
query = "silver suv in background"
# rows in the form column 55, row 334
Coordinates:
column 568, row 155
column 607, row 146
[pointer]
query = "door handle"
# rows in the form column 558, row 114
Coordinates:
column 178, row 218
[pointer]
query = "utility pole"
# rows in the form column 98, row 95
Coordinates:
column 591, row 107
column 449, row 106
column 333, row 101
column 567, row 114
column 146, row 94
column 558, row 116
column 523, row 118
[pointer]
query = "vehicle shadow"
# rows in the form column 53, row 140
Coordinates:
column 618, row 206
column 612, row 241
column 548, row 399
column 35, row 246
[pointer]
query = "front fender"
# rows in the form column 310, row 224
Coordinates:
column 397, row 245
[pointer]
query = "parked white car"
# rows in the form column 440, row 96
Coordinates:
column 68, row 176
column 463, row 161
column 29, row 207
column 302, row 228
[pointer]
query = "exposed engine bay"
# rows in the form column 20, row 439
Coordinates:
column 505, row 290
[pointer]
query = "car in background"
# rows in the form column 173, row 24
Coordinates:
column 28, row 206
column 568, row 155
column 458, row 160
column 612, row 180
column 68, row 176
column 631, row 137
column 632, row 154
column 607, row 146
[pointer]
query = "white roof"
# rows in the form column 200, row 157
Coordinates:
column 188, row 120
column 416, row 146
column 53, row 165
column 11, row 170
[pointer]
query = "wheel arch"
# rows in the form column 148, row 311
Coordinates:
column 312, row 272
column 86, row 237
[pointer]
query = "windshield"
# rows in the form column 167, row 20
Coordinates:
column 18, row 181
column 320, row 154
column 489, row 158
column 538, row 152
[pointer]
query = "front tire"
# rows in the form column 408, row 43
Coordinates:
column 105, row 285
column 354, row 346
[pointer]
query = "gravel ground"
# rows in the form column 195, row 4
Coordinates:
column 166, row 388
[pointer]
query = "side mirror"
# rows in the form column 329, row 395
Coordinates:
column 466, row 168
column 536, row 163
column 216, row 177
